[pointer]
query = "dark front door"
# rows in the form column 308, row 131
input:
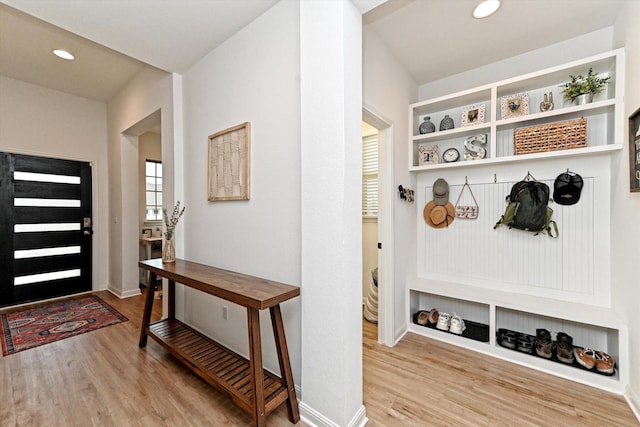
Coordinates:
column 45, row 228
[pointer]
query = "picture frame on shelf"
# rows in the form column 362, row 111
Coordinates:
column 634, row 151
column 473, row 115
column 428, row 154
column 514, row 105
column 228, row 164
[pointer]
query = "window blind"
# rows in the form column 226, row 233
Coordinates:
column 370, row 176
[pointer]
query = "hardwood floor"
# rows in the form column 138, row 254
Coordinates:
column 102, row 378
column 424, row 382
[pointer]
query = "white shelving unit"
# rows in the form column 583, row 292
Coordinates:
column 605, row 118
column 483, row 299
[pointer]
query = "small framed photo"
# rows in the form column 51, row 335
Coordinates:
column 514, row 105
column 428, row 154
column 146, row 232
column 473, row 115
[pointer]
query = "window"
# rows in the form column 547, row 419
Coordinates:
column 153, row 186
column 370, row 175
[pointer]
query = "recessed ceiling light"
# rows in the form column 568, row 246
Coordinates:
column 486, row 8
column 64, row 54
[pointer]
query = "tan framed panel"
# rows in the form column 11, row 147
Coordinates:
column 229, row 164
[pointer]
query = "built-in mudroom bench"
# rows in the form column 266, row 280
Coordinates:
column 254, row 389
column 503, row 281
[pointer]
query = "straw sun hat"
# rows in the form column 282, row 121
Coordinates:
column 439, row 212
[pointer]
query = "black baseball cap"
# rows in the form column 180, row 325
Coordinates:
column 567, row 188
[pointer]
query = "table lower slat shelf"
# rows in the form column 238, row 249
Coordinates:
column 217, row 365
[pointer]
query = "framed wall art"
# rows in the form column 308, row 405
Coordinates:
column 634, row 151
column 229, row 164
column 473, row 115
column 514, row 105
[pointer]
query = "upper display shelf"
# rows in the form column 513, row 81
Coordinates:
column 525, row 115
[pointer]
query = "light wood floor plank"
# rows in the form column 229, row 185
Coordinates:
column 424, row 382
column 102, row 378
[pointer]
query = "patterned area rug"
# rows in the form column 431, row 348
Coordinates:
column 22, row 330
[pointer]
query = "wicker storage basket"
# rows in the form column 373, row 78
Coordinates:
column 551, row 137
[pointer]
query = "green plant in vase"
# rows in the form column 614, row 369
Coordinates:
column 581, row 89
column 170, row 222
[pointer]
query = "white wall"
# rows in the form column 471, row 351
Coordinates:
column 625, row 240
column 253, row 76
column 331, row 114
column 150, row 91
column 388, row 90
column 256, row 76
column 560, row 53
column 39, row 121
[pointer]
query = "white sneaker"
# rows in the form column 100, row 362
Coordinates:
column 457, row 325
column 444, row 320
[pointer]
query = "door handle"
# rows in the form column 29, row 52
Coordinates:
column 87, row 232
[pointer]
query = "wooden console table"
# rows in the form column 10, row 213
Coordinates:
column 253, row 389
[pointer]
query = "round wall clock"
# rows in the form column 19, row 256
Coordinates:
column 451, row 155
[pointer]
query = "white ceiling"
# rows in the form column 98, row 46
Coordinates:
column 438, row 38
column 25, row 54
column 431, row 38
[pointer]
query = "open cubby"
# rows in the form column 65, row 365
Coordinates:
column 584, row 335
column 475, row 316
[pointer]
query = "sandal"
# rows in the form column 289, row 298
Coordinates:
column 433, row 316
column 509, row 339
column 525, row 343
column 422, row 318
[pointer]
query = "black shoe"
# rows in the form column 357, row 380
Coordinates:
column 564, row 348
column 544, row 345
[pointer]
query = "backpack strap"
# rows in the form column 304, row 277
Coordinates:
column 555, row 227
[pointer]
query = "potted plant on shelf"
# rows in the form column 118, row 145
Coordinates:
column 581, row 89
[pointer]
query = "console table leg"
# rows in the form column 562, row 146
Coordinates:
column 171, row 299
column 285, row 364
column 148, row 305
column 255, row 364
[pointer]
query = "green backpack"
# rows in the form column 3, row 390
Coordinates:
column 528, row 210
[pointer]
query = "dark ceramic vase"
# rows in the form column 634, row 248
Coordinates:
column 427, row 126
column 446, row 123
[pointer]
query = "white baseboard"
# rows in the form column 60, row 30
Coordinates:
column 400, row 333
column 315, row 419
column 360, row 418
column 634, row 402
column 122, row 295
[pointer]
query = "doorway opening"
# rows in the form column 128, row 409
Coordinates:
column 383, row 245
column 150, row 176
column 133, row 184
